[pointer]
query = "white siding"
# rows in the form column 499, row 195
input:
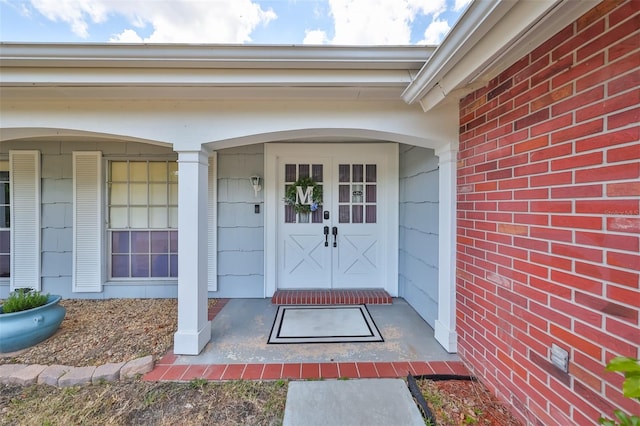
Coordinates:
column 418, row 242
column 240, row 235
column 24, row 176
column 212, row 222
column 56, row 216
column 87, row 222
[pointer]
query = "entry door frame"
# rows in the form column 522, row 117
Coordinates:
column 273, row 151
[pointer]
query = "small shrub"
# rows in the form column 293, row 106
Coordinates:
column 630, row 388
column 23, row 299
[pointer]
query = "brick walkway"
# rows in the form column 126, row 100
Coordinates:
column 166, row 370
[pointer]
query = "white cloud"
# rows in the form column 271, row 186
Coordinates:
column 368, row 22
column 177, row 21
column 127, row 36
column 435, row 32
column 22, row 8
column 73, row 12
column 318, row 11
column 460, row 4
column 315, row 37
column 378, row 22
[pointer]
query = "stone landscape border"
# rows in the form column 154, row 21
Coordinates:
column 66, row 376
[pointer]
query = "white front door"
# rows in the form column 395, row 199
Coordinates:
column 350, row 240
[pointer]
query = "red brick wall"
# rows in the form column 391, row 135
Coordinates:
column 548, row 234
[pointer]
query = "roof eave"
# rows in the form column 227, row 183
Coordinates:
column 188, row 56
column 486, row 40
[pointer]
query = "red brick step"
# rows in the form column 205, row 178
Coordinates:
column 331, row 297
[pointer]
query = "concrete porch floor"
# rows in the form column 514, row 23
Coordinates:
column 241, row 330
column 238, row 349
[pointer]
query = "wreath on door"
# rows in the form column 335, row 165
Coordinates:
column 291, row 195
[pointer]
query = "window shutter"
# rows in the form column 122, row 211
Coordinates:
column 212, row 223
column 24, row 182
column 87, row 222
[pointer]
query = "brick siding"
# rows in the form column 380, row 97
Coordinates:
column 548, row 232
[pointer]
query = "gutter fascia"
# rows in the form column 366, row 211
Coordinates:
column 474, row 23
column 520, row 27
column 186, row 56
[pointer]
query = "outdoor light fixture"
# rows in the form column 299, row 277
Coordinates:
column 256, row 183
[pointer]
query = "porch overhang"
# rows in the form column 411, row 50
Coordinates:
column 206, row 72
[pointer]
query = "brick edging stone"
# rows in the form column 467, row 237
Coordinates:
column 65, row 376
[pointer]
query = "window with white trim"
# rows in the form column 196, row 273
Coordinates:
column 5, row 221
column 143, row 219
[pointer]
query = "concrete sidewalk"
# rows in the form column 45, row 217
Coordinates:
column 369, row 402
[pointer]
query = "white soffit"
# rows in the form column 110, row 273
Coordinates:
column 488, row 38
column 209, row 93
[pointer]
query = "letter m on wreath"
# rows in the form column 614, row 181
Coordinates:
column 305, row 195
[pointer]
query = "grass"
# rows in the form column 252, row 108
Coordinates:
column 197, row 402
column 198, row 383
column 200, row 402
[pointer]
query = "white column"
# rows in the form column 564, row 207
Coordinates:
column 194, row 329
column 445, row 327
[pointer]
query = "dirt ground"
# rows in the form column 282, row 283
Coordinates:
column 95, row 332
column 457, row 402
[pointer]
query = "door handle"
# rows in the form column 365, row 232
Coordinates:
column 334, row 231
column 326, row 236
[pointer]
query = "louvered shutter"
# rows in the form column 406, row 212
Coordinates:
column 212, row 224
column 24, row 182
column 87, row 222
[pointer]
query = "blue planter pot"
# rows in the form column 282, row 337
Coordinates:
column 19, row 330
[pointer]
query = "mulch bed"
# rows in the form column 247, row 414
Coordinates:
column 96, row 332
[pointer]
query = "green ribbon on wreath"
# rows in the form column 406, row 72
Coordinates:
column 291, row 195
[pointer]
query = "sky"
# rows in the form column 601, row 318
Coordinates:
column 340, row 22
